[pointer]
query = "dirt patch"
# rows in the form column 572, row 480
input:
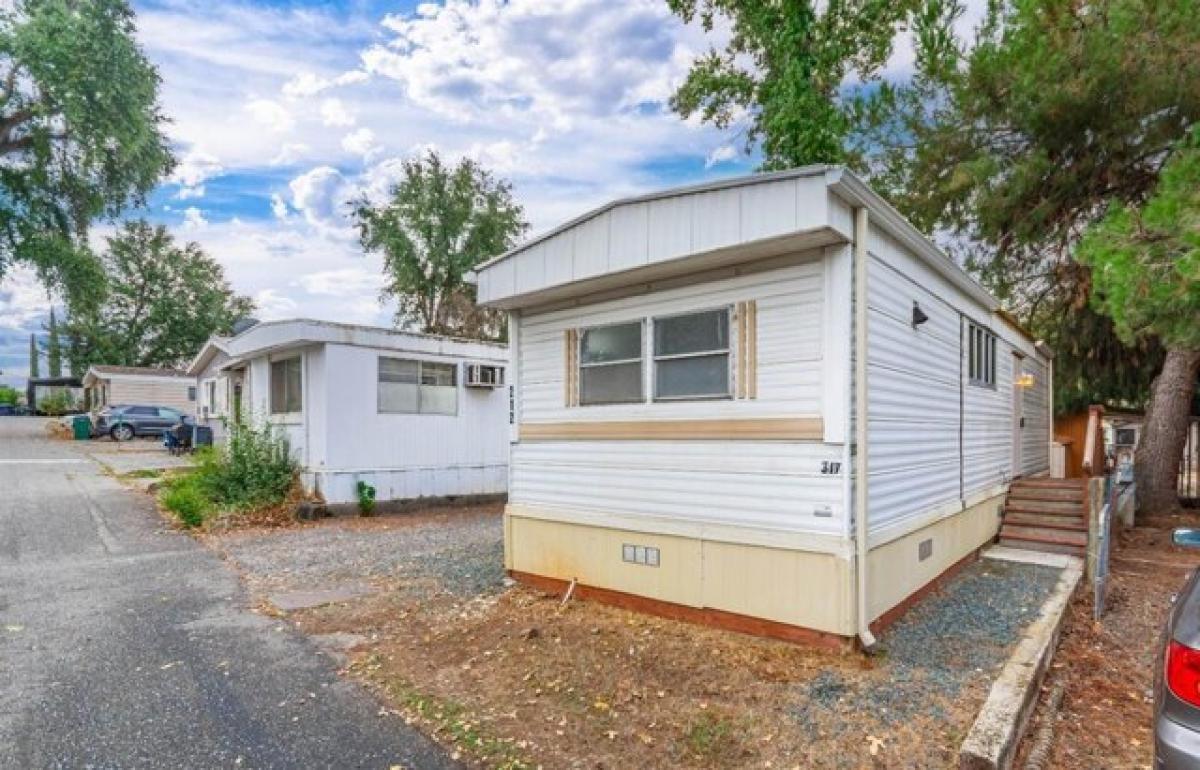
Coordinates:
column 508, row 678
column 1108, row 668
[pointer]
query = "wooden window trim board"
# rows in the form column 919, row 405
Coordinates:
column 755, row 429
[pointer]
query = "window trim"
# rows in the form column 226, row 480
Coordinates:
column 454, row 365
column 640, row 361
column 284, row 412
column 727, row 351
column 981, row 356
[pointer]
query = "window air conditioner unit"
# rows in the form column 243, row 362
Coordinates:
column 484, row 376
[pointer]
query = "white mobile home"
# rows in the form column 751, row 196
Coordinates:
column 688, row 435
column 112, row 385
column 412, row 415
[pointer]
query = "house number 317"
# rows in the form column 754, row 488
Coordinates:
column 830, row 467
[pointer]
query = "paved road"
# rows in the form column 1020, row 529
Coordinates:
column 125, row 644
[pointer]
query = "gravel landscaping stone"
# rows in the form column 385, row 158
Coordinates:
column 456, row 552
column 953, row 639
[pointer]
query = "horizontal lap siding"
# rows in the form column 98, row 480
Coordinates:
column 169, row 394
column 988, row 425
column 763, row 484
column 789, row 347
column 913, row 394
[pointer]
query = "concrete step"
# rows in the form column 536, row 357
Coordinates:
column 1052, row 494
column 1044, row 506
column 1044, row 535
column 1032, row 545
column 1071, row 523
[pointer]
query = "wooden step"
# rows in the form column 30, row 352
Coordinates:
column 1043, row 482
column 1050, row 494
column 1046, row 522
column 1044, row 506
column 1030, row 545
column 1044, row 535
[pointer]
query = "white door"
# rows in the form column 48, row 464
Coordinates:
column 1018, row 418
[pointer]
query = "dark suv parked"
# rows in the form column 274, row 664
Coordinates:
column 129, row 420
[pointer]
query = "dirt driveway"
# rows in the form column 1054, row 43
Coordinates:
column 1108, row 668
column 509, row 678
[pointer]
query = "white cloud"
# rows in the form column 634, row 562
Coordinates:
column 542, row 64
column 271, row 115
column 193, row 219
column 343, row 282
column 322, row 195
column 308, row 84
column 279, row 206
column 269, row 305
column 722, row 154
column 290, row 154
column 334, row 113
column 360, row 142
column 23, row 299
column 195, row 167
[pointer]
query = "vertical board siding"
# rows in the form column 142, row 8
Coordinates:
column 1035, row 407
column 640, row 233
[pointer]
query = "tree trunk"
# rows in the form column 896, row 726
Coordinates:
column 1164, row 432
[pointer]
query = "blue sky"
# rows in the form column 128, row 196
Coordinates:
column 282, row 111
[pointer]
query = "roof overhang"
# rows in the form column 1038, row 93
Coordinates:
column 691, row 264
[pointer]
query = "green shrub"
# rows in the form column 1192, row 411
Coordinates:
column 366, row 498
column 253, row 469
column 184, row 496
column 56, row 404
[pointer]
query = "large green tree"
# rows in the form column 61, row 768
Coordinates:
column 80, row 133
column 439, row 222
column 1018, row 138
column 162, row 302
column 1145, row 268
column 780, row 78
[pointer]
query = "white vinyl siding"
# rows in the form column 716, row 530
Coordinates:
column 1035, row 408
column 790, row 344
column 773, row 485
column 913, row 398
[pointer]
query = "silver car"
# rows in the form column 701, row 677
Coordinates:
column 1177, row 687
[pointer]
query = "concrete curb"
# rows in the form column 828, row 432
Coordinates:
column 992, row 742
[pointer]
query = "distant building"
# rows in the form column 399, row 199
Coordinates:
column 40, row 388
column 112, row 385
column 413, row 415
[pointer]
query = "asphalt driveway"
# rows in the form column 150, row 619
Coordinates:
column 126, row 644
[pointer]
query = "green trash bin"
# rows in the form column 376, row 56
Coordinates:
column 82, row 426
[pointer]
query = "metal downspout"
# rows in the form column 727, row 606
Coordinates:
column 866, row 638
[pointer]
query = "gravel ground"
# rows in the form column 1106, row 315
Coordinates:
column 458, row 550
column 957, row 637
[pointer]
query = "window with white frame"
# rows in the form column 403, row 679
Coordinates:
column 409, row 386
column 691, row 356
column 286, row 382
column 981, row 356
column 610, row 364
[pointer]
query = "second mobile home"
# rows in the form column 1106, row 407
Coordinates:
column 691, row 373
